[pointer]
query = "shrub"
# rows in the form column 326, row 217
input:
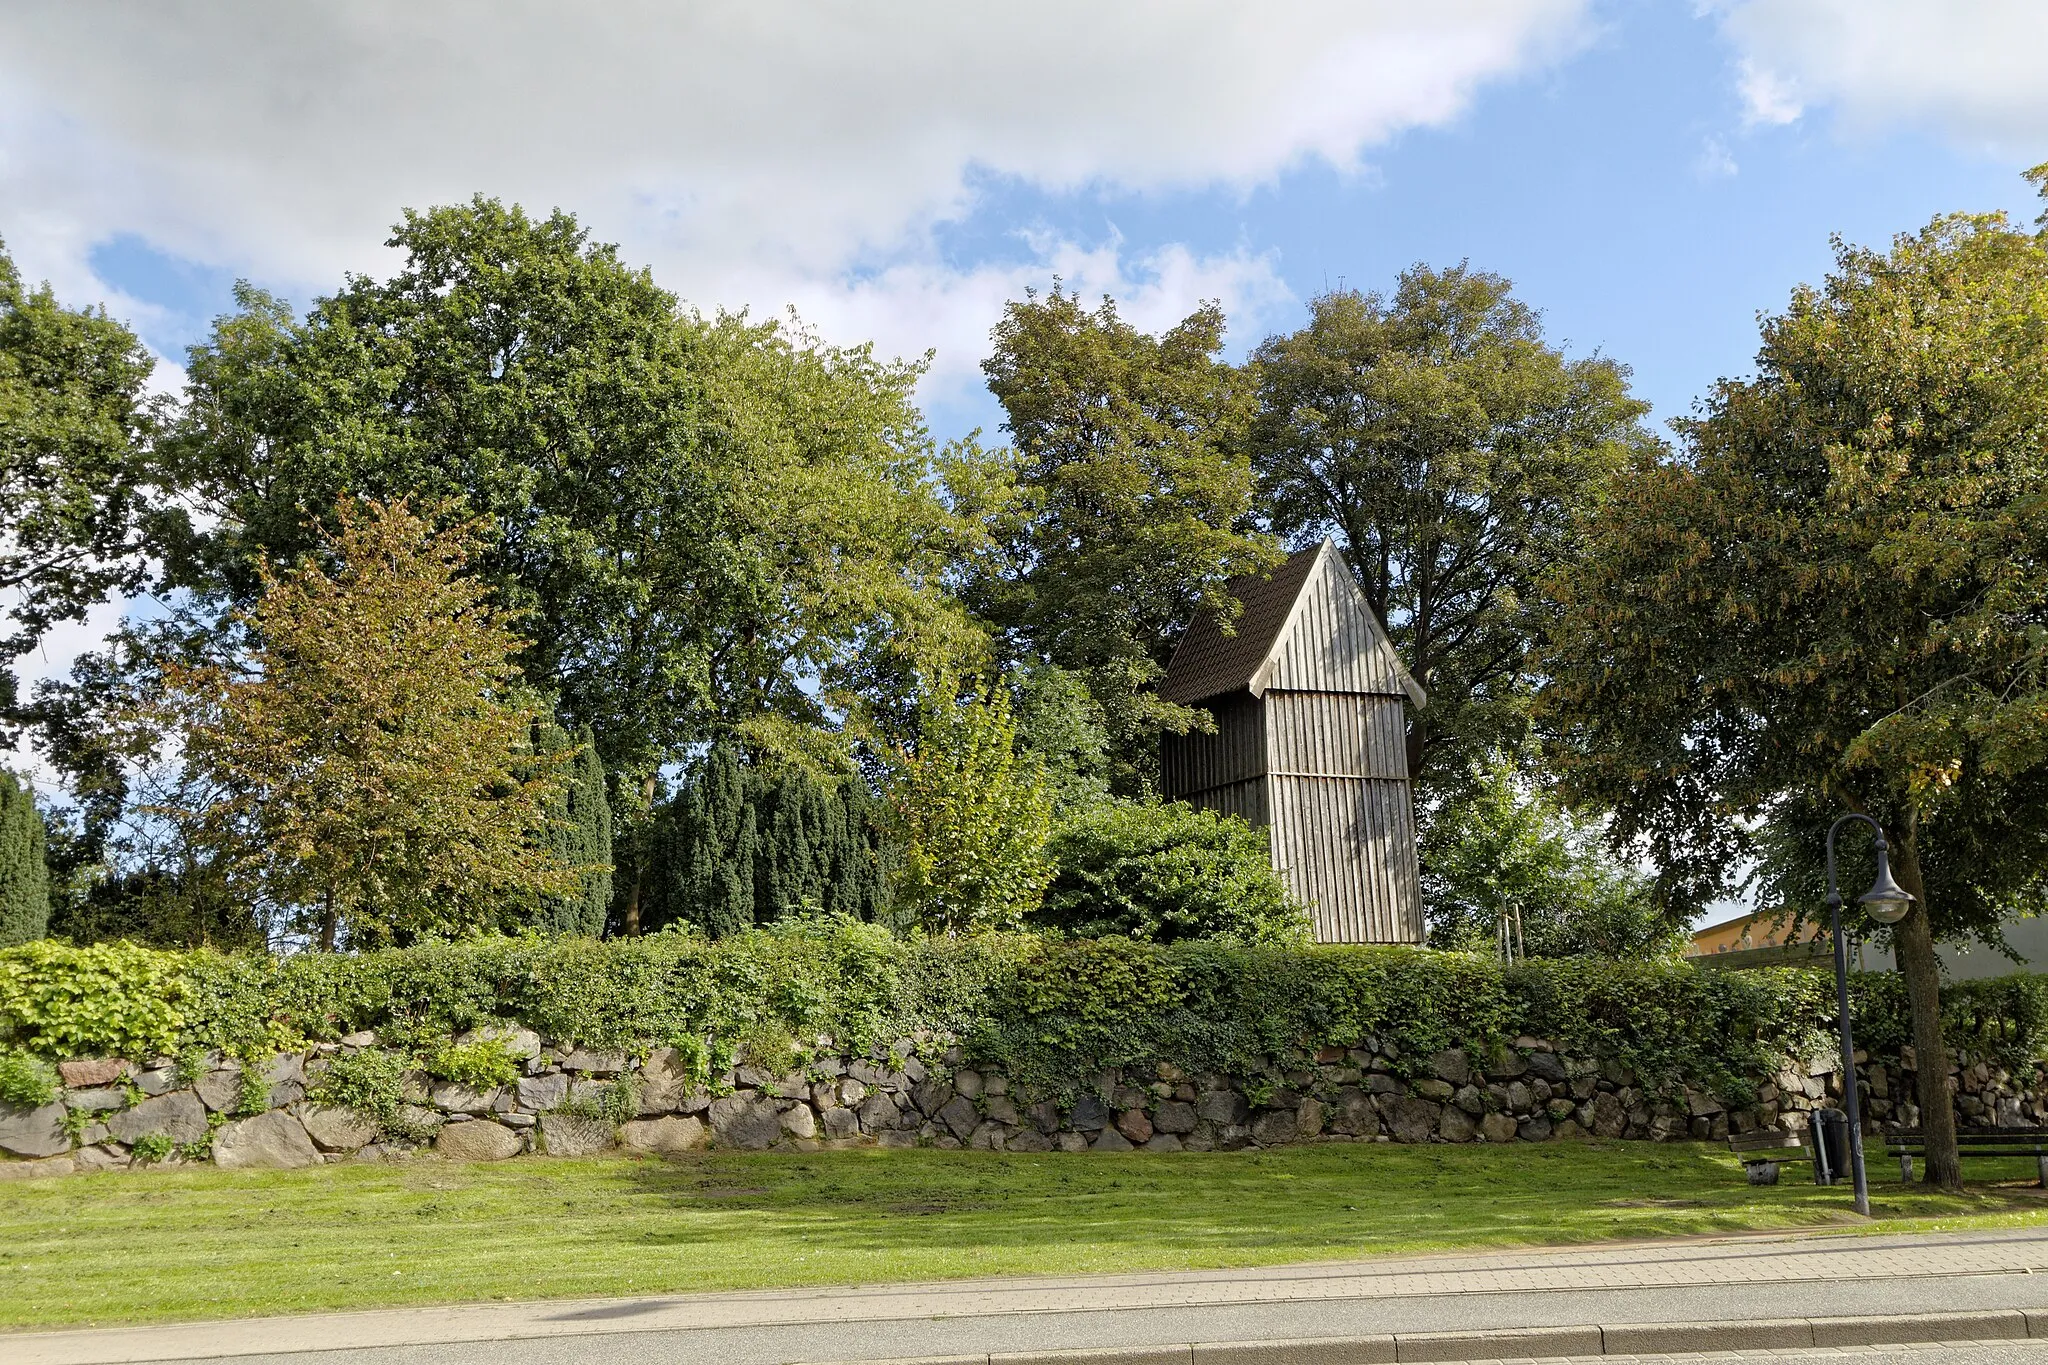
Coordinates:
column 1052, row 1013
column 484, row 1064
column 1164, row 873
column 27, row 1082
column 370, row 1082
column 112, row 998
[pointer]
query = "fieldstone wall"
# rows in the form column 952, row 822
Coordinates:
column 922, row 1092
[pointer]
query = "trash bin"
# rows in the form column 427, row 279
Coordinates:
column 1831, row 1146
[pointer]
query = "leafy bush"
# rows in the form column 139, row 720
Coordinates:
column 1164, row 873
column 614, row 1103
column 484, row 1064
column 113, row 998
column 27, row 1082
column 151, row 1148
column 1050, row 1012
column 370, row 1082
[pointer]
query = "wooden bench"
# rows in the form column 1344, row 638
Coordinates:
column 1766, row 1149
column 1907, row 1143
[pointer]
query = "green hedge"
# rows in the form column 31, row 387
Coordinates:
column 1052, row 1012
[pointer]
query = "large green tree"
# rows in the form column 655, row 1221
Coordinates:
column 364, row 761
column 73, row 474
column 1448, row 448
column 1127, row 505
column 704, row 517
column 1837, row 601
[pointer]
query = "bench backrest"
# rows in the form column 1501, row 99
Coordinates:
column 1764, row 1140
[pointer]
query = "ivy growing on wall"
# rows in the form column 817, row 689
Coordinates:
column 1052, row 1013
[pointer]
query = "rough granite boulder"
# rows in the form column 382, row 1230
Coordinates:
column 1351, row 1114
column 1174, row 1116
column 1136, row 1125
column 33, row 1132
column 1456, row 1125
column 878, row 1113
column 178, row 1115
column 1497, row 1128
column 1452, row 1065
column 1111, row 1141
column 337, row 1130
column 478, row 1140
column 274, row 1141
column 575, row 1135
column 458, row 1098
column 663, row 1081
column 799, row 1122
column 671, row 1134
column 537, row 1093
column 1273, row 1127
column 1412, row 1120
column 91, row 1071
column 960, row 1115
column 1220, row 1106
column 743, row 1121
column 220, row 1088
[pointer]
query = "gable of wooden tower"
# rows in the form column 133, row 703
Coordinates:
column 1310, row 741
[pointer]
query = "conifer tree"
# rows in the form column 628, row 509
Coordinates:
column 24, row 875
column 579, row 834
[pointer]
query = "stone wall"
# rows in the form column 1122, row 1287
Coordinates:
column 114, row 1113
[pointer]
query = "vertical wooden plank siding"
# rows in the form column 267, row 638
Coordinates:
column 1346, row 847
column 1333, row 645
column 1194, row 763
column 1321, row 758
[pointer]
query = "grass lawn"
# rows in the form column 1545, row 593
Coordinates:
column 199, row 1243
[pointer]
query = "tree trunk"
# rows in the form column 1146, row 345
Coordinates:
column 1913, row 942
column 329, row 922
column 642, row 849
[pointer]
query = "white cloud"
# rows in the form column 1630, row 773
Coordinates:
column 1715, row 161
column 1970, row 69
column 1767, row 97
column 752, row 153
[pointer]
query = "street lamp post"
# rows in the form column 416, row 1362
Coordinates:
column 1886, row 902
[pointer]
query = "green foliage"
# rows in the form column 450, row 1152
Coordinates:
column 1508, row 853
column 370, row 1082
column 743, row 844
column 1166, row 872
column 704, row 513
column 252, row 1092
column 1126, row 506
column 482, row 1065
column 1051, row 1012
column 73, row 467
column 1450, row 450
column 27, row 1082
column 151, row 1148
column 579, row 835
column 24, row 872
column 105, row 999
column 1061, row 727
column 613, row 1103
column 971, row 814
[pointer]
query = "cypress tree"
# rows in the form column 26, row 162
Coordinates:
column 24, row 871
column 738, row 847
column 579, row 834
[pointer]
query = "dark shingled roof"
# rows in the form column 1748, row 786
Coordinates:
column 1209, row 663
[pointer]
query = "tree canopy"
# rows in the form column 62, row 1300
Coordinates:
column 365, row 762
column 1449, row 450
column 73, row 460
column 1127, row 504
column 1835, row 601
column 706, row 513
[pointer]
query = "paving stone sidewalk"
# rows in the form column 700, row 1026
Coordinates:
column 1731, row 1279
